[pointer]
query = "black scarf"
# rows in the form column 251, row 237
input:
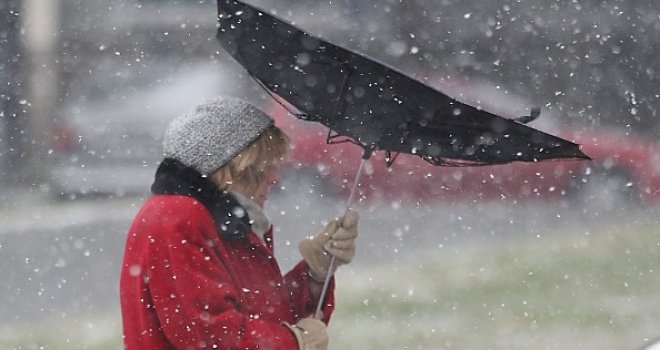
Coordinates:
column 173, row 177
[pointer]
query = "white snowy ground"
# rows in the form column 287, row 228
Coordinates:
column 429, row 276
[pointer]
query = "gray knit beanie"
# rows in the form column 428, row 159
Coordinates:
column 213, row 133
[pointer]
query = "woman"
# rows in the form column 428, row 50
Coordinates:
column 198, row 269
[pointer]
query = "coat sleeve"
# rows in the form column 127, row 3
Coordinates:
column 195, row 297
column 297, row 281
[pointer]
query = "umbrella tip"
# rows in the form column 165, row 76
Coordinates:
column 579, row 154
column 533, row 115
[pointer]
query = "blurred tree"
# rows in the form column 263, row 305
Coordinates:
column 12, row 93
column 40, row 27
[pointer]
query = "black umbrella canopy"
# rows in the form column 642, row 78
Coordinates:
column 375, row 105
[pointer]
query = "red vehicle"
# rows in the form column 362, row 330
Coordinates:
column 624, row 167
column 115, row 148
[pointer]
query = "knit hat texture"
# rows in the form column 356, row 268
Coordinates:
column 213, row 133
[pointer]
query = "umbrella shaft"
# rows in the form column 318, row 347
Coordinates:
column 355, row 185
column 326, row 282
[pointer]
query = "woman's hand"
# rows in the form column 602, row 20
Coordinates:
column 336, row 239
column 310, row 333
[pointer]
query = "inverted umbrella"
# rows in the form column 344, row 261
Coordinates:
column 373, row 105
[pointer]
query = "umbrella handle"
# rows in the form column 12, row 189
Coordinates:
column 326, row 281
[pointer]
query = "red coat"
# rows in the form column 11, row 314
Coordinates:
column 184, row 287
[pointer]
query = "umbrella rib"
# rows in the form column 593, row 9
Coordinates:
column 274, row 97
column 332, row 139
column 389, row 159
column 342, row 92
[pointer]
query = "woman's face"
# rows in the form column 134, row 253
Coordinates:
column 259, row 193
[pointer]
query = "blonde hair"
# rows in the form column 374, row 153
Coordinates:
column 247, row 168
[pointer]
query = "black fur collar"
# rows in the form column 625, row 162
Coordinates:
column 173, row 177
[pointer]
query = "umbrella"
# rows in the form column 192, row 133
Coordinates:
column 372, row 105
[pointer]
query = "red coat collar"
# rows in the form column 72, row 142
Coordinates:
column 174, row 177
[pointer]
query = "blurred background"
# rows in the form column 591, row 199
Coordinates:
column 560, row 255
